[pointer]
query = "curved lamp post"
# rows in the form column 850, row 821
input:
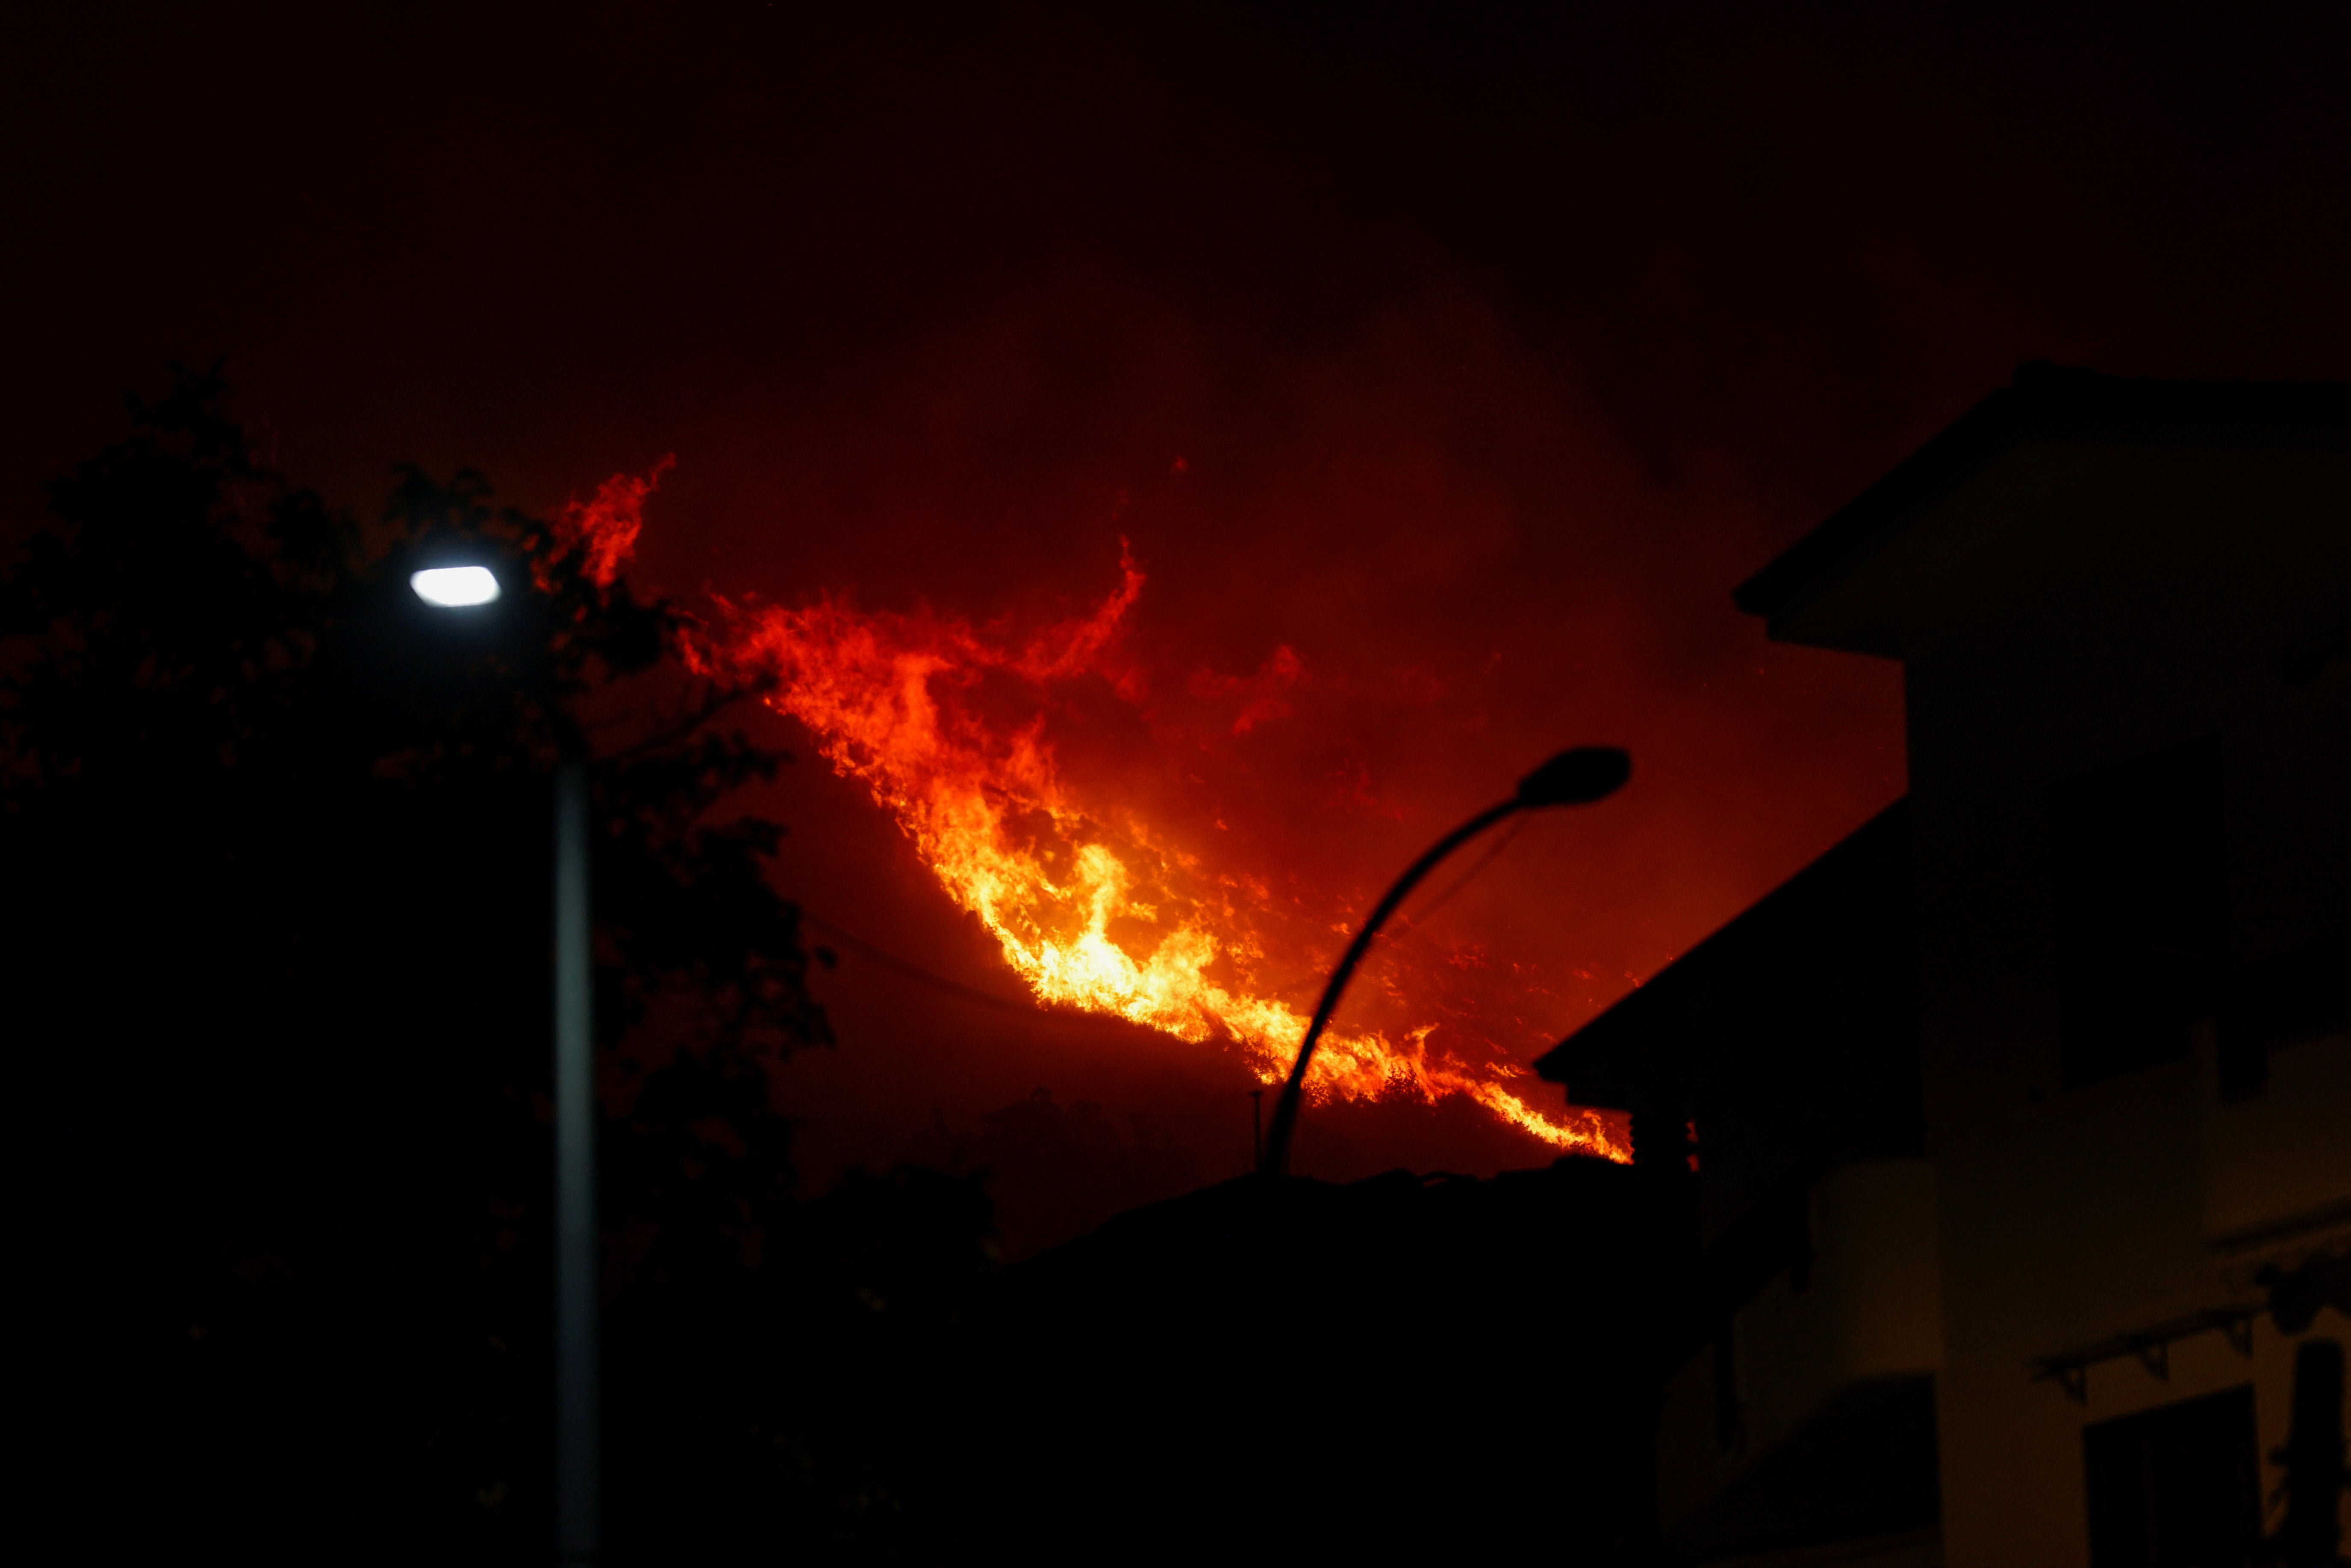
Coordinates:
column 1574, row 778
column 460, row 589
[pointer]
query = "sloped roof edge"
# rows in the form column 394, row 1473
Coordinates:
column 2046, row 402
column 1883, row 838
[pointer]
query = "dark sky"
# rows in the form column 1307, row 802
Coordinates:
column 1498, row 343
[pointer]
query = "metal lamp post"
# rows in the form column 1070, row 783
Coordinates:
column 1573, row 778
column 462, row 588
column 575, row 1180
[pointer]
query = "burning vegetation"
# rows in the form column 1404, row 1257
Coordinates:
column 1094, row 904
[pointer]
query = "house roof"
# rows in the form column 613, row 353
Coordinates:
column 1672, row 1040
column 1676, row 1036
column 2045, row 403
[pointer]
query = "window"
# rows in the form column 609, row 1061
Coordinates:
column 2290, row 998
column 2178, row 1486
column 2141, row 883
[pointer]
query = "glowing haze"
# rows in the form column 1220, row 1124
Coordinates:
column 1094, row 904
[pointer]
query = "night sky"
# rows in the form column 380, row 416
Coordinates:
column 1471, row 354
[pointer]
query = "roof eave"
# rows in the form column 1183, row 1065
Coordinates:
column 2043, row 402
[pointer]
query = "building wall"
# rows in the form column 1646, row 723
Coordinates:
column 2068, row 608
column 2161, row 609
column 1868, row 1307
column 1814, row 1365
column 2076, row 1220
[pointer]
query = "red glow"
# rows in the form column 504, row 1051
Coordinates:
column 606, row 525
column 1095, row 901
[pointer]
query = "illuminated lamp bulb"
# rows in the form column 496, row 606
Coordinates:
column 455, row 587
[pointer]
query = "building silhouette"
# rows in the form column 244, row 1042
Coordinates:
column 2011, row 1139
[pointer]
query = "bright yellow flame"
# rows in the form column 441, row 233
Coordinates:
column 988, row 812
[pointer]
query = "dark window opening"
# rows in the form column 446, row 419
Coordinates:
column 1729, row 1412
column 2178, row 1486
column 2288, row 998
column 2313, row 1461
column 2140, row 871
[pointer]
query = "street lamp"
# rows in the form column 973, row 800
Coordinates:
column 463, row 588
column 1573, row 778
column 455, row 587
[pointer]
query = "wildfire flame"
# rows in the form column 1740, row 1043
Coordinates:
column 1091, row 905
column 605, row 526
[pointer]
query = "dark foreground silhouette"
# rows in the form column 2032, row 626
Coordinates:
column 1430, row 1366
column 276, row 872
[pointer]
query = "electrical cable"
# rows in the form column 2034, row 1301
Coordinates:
column 1412, row 923
column 914, row 971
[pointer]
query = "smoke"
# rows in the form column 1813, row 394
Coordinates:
column 1445, row 366
column 1270, row 617
column 1095, row 904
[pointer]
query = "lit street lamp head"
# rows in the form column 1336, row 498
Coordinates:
column 1576, row 778
column 455, row 587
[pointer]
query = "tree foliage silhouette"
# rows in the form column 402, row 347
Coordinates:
column 277, row 840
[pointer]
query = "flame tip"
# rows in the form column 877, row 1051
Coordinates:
column 1048, row 876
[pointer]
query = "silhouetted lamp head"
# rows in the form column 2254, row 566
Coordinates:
column 455, row 587
column 1577, row 777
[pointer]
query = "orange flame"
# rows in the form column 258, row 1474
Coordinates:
column 1091, row 907
column 605, row 528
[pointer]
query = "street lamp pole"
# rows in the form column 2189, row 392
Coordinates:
column 575, row 1179
column 464, row 587
column 1573, row 778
